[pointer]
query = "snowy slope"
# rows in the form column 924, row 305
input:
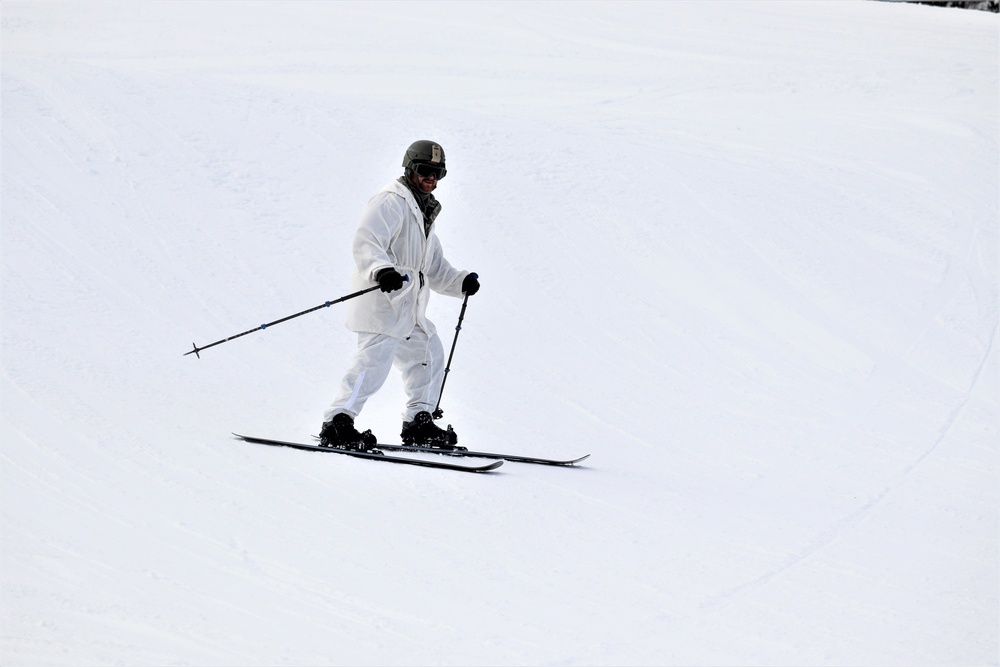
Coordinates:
column 743, row 254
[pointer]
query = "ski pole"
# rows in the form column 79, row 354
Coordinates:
column 438, row 412
column 196, row 351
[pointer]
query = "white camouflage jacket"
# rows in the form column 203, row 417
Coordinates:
column 391, row 234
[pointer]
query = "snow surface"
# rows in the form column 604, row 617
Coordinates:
column 743, row 254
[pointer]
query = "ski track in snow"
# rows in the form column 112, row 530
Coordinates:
column 743, row 254
column 831, row 534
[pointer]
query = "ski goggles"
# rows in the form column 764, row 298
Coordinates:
column 428, row 170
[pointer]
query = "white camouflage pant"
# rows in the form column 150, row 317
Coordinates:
column 419, row 357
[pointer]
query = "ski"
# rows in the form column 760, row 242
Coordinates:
column 513, row 458
column 373, row 457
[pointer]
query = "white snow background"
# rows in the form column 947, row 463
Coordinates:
column 744, row 254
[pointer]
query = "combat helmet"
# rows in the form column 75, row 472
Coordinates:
column 424, row 152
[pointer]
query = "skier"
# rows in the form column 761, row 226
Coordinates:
column 396, row 247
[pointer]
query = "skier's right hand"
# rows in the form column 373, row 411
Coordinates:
column 389, row 280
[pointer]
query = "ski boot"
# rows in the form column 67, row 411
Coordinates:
column 340, row 433
column 422, row 432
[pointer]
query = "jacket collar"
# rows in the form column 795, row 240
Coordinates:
column 433, row 205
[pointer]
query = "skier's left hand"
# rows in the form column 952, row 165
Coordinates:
column 471, row 284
